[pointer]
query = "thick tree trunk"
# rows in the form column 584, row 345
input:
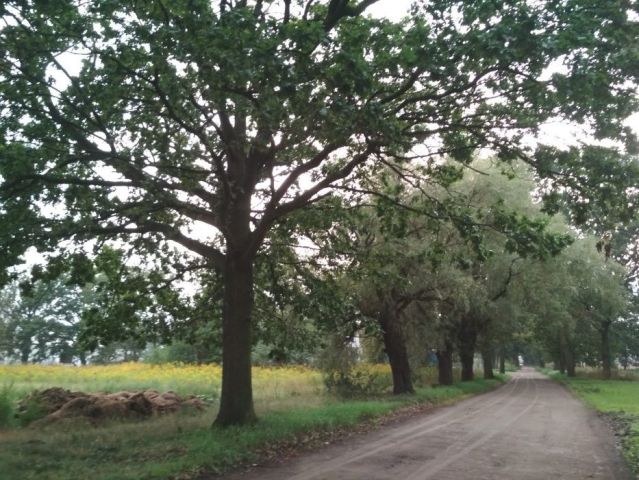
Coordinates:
column 606, row 361
column 467, row 360
column 566, row 355
column 25, row 347
column 66, row 357
column 445, row 365
column 570, row 363
column 467, row 337
column 562, row 364
column 236, row 402
column 487, row 355
column 395, row 346
column 502, row 361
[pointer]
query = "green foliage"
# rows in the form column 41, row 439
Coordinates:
column 573, row 298
column 361, row 381
column 175, row 352
column 41, row 319
column 7, row 405
column 131, row 303
column 30, row 411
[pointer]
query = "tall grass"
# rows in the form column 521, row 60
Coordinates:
column 7, row 399
column 268, row 382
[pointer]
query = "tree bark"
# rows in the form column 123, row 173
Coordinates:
column 570, row 363
column 467, row 338
column 566, row 355
column 445, row 365
column 606, row 360
column 467, row 360
column 562, row 364
column 502, row 361
column 25, row 353
column 395, row 346
column 25, row 348
column 487, row 355
column 236, row 401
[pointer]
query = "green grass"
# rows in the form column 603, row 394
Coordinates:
column 181, row 446
column 619, row 398
column 7, row 400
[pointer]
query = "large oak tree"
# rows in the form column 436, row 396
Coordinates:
column 233, row 114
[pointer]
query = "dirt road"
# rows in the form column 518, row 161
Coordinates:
column 531, row 428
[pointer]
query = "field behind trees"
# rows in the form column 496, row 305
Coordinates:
column 272, row 384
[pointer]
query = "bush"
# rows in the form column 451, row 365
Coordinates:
column 426, row 376
column 359, row 381
column 29, row 410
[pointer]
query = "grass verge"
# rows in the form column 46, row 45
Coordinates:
column 618, row 400
column 184, row 447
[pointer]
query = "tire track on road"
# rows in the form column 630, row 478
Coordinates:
column 409, row 435
column 481, row 441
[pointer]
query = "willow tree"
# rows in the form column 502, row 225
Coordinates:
column 138, row 120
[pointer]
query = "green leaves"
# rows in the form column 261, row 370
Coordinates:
column 529, row 237
column 156, row 124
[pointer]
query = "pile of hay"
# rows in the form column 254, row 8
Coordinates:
column 55, row 404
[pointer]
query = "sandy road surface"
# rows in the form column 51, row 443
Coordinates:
column 531, row 428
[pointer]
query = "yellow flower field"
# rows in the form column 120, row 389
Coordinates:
column 270, row 383
column 274, row 388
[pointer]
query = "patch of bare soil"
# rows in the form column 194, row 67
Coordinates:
column 53, row 404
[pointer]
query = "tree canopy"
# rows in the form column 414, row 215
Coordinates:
column 205, row 124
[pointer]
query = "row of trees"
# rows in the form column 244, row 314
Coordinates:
column 213, row 126
column 498, row 273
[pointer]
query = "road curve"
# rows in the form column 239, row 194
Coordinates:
column 529, row 429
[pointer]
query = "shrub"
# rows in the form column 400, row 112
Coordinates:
column 359, row 380
column 30, row 410
column 425, row 376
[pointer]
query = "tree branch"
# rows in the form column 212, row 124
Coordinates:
column 338, row 9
